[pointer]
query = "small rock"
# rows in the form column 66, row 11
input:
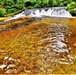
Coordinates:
column 75, row 45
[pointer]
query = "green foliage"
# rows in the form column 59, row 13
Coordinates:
column 54, row 3
column 7, row 7
column 12, row 10
column 9, row 2
column 19, row 6
column 71, row 7
column 12, row 6
column 1, row 2
column 2, row 12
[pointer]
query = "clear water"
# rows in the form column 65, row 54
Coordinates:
column 45, row 47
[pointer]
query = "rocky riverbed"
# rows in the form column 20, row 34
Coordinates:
column 38, row 46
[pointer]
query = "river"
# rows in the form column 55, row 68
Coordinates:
column 44, row 46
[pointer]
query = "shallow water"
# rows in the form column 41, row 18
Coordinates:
column 47, row 46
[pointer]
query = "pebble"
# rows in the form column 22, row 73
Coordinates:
column 75, row 45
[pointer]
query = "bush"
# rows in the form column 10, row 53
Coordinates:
column 8, row 7
column 19, row 6
column 54, row 3
column 2, row 12
column 12, row 10
column 71, row 7
column 9, row 2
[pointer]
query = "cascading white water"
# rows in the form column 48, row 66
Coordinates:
column 51, row 12
column 44, row 12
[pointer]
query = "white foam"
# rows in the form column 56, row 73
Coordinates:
column 51, row 12
column 6, row 57
column 3, row 66
column 17, row 16
column 55, row 12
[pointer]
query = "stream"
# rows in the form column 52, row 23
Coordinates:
column 41, row 41
column 45, row 46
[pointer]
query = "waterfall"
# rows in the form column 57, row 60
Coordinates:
column 43, row 12
column 51, row 12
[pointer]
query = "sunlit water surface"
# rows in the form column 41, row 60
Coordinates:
column 47, row 47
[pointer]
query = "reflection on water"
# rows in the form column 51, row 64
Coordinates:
column 48, row 46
